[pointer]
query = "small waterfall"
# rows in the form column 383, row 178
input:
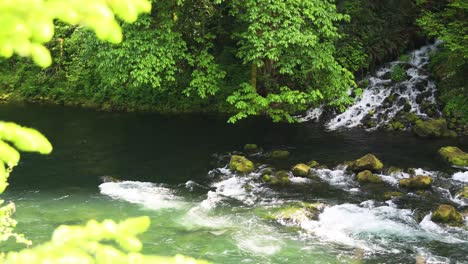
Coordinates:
column 383, row 99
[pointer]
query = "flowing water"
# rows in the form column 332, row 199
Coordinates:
column 383, row 99
column 174, row 170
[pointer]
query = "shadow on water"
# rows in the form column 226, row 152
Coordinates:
column 173, row 149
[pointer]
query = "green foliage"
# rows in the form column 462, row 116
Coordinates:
column 290, row 47
column 28, row 24
column 398, row 73
column 446, row 20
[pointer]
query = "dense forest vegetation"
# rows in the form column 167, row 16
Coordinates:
column 245, row 57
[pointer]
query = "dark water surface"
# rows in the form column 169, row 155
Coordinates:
column 62, row 188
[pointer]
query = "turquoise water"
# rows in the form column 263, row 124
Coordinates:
column 173, row 171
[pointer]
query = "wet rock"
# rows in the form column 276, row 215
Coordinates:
column 396, row 126
column 387, row 76
column 432, row 128
column 463, row 193
column 367, row 162
column 392, row 195
column 280, row 178
column 454, row 156
column 108, row 178
column 301, row 170
column 368, row 177
column 421, row 85
column 297, row 213
column 313, row 164
column 241, row 164
column 251, row 148
column 417, row 182
column 279, row 154
column 411, row 118
column 447, row 214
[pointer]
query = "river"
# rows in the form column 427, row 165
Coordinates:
column 173, row 169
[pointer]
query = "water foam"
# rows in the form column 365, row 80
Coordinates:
column 150, row 195
column 460, row 176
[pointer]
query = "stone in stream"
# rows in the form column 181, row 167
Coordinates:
column 301, row 170
column 368, row 177
column 417, row 182
column 313, row 164
column 433, row 128
column 463, row 193
column 251, row 148
column 391, row 195
column 454, row 156
column 447, row 214
column 296, row 213
column 108, row 178
column 241, row 164
column 367, row 162
column 279, row 154
column 280, row 178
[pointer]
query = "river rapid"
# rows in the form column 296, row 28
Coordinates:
column 174, row 169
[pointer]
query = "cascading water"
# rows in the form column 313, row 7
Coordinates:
column 383, row 99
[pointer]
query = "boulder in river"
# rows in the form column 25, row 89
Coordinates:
column 301, row 170
column 432, row 128
column 368, row 177
column 280, row 154
column 463, row 193
column 297, row 213
column 368, row 162
column 280, row 178
column 313, row 164
column 447, row 214
column 454, row 156
column 417, row 182
column 392, row 170
column 251, row 148
column 108, row 178
column 241, row 164
column 391, row 195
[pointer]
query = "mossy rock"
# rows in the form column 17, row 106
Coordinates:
column 432, row 128
column 266, row 171
column 368, row 162
column 241, row 164
column 313, row 164
column 396, row 125
column 322, row 167
column 417, row 182
column 280, row 178
column 296, row 213
column 391, row 195
column 463, row 193
column 280, row 154
column 412, row 118
column 454, row 156
column 251, row 148
column 447, row 214
column 368, row 177
column 301, row 170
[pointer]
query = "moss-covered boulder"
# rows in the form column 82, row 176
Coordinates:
column 368, row 177
column 447, row 214
column 463, row 193
column 280, row 178
column 301, row 170
column 296, row 213
column 280, row 154
column 241, row 164
column 368, row 162
column 313, row 164
column 432, row 128
column 391, row 195
column 251, row 148
column 417, row 182
column 454, row 156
